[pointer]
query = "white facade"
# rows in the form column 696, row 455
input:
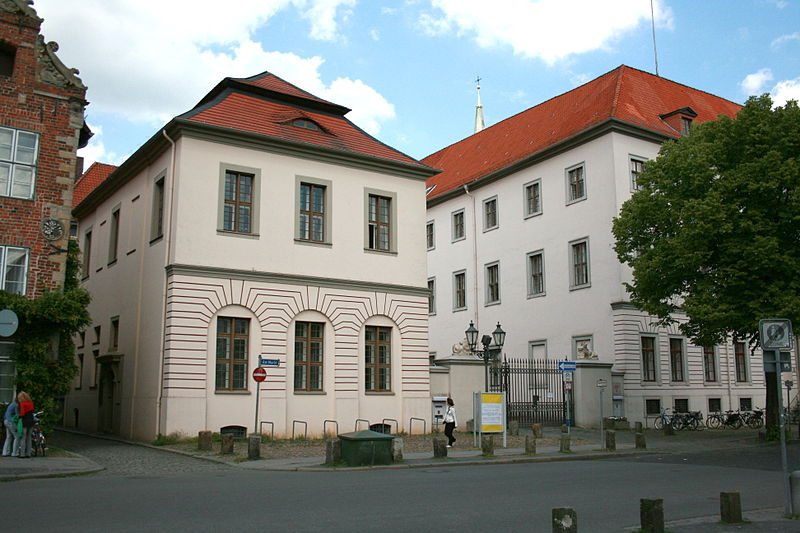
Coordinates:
column 570, row 313
column 165, row 293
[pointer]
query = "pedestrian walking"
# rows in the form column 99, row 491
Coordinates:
column 11, row 444
column 450, row 422
column 27, row 421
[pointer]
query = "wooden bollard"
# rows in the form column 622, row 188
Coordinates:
column 333, row 451
column 530, row 445
column 641, row 444
column 254, row 447
column 487, row 445
column 204, row 440
column 439, row 447
column 730, row 508
column 651, row 513
column 565, row 520
column 536, row 429
column 611, row 440
column 227, row 444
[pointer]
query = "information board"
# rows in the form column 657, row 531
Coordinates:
column 492, row 419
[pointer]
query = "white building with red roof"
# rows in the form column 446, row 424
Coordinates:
column 260, row 228
column 519, row 232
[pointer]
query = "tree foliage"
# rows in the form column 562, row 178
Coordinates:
column 43, row 349
column 714, row 231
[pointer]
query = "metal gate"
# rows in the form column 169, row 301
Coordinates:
column 534, row 390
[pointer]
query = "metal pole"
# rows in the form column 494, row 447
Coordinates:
column 258, row 393
column 786, row 488
column 601, row 418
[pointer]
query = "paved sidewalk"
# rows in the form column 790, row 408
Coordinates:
column 757, row 521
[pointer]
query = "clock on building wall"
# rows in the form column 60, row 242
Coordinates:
column 52, row 229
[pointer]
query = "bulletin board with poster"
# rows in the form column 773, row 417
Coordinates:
column 490, row 410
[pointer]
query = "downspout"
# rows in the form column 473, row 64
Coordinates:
column 474, row 257
column 168, row 252
column 728, row 374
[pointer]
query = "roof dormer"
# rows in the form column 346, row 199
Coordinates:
column 680, row 120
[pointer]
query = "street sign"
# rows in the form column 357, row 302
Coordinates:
column 8, row 322
column 567, row 385
column 259, row 374
column 567, row 366
column 567, row 377
column 775, row 333
column 269, row 362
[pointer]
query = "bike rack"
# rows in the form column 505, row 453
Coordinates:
column 324, row 426
column 396, row 424
column 361, row 420
column 305, row 425
column 271, row 425
column 424, row 424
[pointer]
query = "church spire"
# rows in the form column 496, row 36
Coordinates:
column 479, row 123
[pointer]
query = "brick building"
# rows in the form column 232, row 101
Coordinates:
column 41, row 127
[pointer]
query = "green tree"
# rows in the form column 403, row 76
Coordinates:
column 43, row 349
column 714, row 232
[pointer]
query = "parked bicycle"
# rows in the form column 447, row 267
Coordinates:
column 663, row 420
column 728, row 419
column 754, row 418
column 691, row 420
column 38, row 441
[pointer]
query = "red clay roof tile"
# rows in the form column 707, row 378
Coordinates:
column 89, row 180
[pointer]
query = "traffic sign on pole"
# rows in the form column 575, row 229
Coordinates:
column 269, row 362
column 567, row 366
column 259, row 374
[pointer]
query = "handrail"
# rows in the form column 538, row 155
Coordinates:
column 271, row 425
column 396, row 424
column 361, row 420
column 424, row 424
column 325, row 431
column 305, row 424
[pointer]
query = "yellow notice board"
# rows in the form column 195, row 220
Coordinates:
column 492, row 419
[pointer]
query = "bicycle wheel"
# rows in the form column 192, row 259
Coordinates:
column 756, row 422
column 659, row 423
column 713, row 422
column 736, row 423
column 693, row 424
column 43, row 445
column 678, row 423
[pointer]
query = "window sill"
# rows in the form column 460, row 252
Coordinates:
column 579, row 287
column 539, row 295
column 490, row 304
column 154, row 240
column 458, row 239
column 577, row 200
column 379, row 393
column 111, row 263
column 306, row 242
column 531, row 215
column 237, row 234
column 380, row 252
column 233, row 392
column 310, row 393
column 457, row 309
column 486, row 230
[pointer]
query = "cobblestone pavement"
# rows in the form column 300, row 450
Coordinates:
column 120, row 459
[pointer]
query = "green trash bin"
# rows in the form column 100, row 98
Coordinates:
column 366, row 447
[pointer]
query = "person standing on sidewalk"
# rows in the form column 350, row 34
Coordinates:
column 27, row 421
column 11, row 444
column 450, row 422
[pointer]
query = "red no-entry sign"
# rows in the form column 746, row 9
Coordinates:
column 259, row 374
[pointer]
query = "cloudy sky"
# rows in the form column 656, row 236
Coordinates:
column 407, row 68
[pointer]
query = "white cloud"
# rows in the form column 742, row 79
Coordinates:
column 786, row 90
column 149, row 60
column 754, row 83
column 783, row 39
column 550, row 30
column 369, row 107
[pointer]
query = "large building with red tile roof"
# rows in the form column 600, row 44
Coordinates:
column 519, row 232
column 260, row 228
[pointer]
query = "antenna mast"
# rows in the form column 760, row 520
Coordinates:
column 653, row 21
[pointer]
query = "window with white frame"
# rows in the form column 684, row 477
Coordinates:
column 576, row 183
column 490, row 213
column 537, row 349
column 157, row 216
column 676, row 359
column 431, row 296
column 377, row 359
column 312, row 212
column 7, row 372
column 459, row 290
column 637, row 167
column 493, row 283
column 579, row 264
column 740, row 357
column 308, row 356
column 18, row 154
column 113, row 236
column 430, row 235
column 237, row 205
column 457, row 230
column 648, row 358
column 14, row 269
column 536, row 273
column 532, row 195
column 381, row 227
column 709, row 364
column 86, row 254
column 233, row 340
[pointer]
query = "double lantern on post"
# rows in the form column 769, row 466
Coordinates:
column 498, row 336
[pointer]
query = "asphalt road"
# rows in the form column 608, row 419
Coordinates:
column 148, row 490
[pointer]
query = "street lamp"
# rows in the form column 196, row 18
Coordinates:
column 498, row 336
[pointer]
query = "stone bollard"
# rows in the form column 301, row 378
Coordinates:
column 204, row 440
column 536, row 429
column 637, row 427
column 565, row 443
column 254, row 447
column 651, row 513
column 611, row 440
column 565, row 520
column 487, row 445
column 668, row 429
column 397, row 450
column 730, row 508
column 439, row 447
column 794, row 484
column 227, row 444
column 530, row 445
column 513, row 428
column 333, row 451
column 640, row 442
